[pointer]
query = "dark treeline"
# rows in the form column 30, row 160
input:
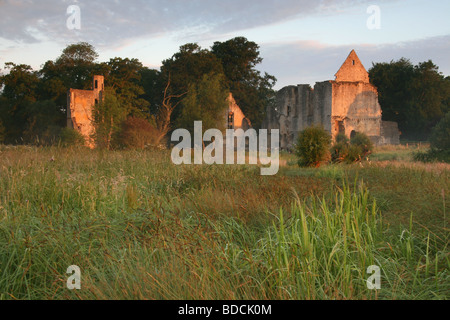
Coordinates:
column 415, row 96
column 33, row 103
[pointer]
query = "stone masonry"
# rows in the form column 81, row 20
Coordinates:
column 349, row 104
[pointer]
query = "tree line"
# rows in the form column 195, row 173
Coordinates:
column 417, row 97
column 191, row 85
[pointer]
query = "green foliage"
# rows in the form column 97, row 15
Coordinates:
column 342, row 138
column 416, row 97
column 138, row 133
column 71, row 138
column 44, row 121
column 440, row 143
column 362, row 141
column 313, row 147
column 206, row 102
column 124, row 76
column 2, row 132
column 107, row 117
column 188, row 66
column 440, row 136
column 133, row 220
column 350, row 151
column 251, row 90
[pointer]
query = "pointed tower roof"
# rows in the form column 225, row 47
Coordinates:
column 352, row 70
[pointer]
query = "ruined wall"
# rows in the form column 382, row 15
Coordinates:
column 355, row 108
column 348, row 105
column 390, row 133
column 79, row 108
column 239, row 119
column 299, row 107
column 79, row 113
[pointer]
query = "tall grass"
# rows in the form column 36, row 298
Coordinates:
column 142, row 228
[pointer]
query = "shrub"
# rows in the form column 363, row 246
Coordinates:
column 440, row 136
column 313, row 147
column 439, row 142
column 138, row 133
column 71, row 138
column 362, row 141
column 339, row 151
column 352, row 151
column 342, row 138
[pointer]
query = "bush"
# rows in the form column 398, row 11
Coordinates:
column 138, row 133
column 440, row 136
column 313, row 147
column 71, row 138
column 362, row 141
column 342, row 138
column 352, row 151
column 439, row 142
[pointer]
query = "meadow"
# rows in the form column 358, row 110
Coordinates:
column 140, row 227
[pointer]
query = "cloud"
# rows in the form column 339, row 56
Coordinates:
column 307, row 62
column 109, row 23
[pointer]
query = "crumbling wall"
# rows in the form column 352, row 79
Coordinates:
column 390, row 133
column 79, row 112
column 356, row 108
column 79, row 108
column 240, row 121
column 348, row 105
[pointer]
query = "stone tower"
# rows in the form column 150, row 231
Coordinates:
column 79, row 108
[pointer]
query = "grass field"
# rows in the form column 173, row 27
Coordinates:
column 140, row 227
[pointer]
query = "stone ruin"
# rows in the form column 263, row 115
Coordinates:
column 81, row 102
column 348, row 105
column 79, row 108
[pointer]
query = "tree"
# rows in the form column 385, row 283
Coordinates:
column 74, row 68
column 165, row 111
column 206, row 101
column 416, row 97
column 252, row 91
column 188, row 66
column 19, row 91
column 124, row 77
column 107, row 117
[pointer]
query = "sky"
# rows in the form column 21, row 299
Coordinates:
column 301, row 41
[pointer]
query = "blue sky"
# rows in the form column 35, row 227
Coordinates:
column 301, row 41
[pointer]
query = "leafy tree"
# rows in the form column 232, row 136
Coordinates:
column 107, row 117
column 124, row 77
column 74, row 68
column 19, row 91
column 206, row 101
column 416, row 97
column 252, row 91
column 44, row 122
column 151, row 82
column 188, row 66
